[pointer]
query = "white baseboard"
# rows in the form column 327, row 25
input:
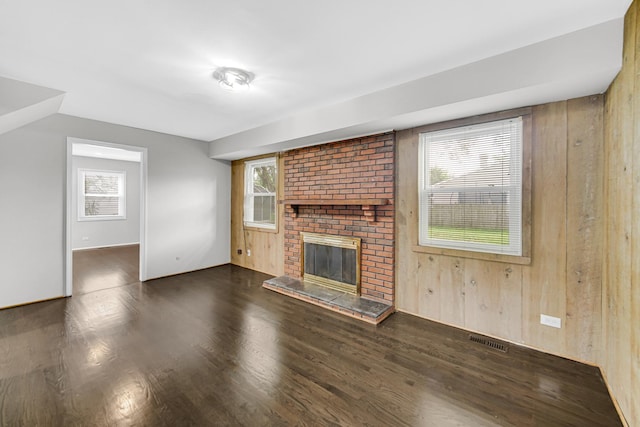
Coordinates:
column 106, row 246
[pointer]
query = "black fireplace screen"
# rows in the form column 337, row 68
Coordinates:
column 330, row 262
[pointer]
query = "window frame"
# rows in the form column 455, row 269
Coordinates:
column 249, row 166
column 122, row 195
column 526, row 208
column 512, row 193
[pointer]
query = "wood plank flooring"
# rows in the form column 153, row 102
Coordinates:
column 103, row 268
column 213, row 347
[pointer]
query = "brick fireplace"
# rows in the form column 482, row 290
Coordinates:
column 344, row 189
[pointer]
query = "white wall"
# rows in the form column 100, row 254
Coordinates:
column 97, row 234
column 188, row 204
column 32, row 185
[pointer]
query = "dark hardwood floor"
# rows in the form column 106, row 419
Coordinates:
column 103, row 268
column 213, row 347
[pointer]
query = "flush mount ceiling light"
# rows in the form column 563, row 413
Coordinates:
column 233, row 79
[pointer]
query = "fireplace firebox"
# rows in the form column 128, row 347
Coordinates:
column 331, row 261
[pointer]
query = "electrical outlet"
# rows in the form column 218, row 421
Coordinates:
column 554, row 322
column 85, row 238
column 248, row 252
column 239, row 251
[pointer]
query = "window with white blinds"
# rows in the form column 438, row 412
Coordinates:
column 470, row 184
column 261, row 183
column 101, row 195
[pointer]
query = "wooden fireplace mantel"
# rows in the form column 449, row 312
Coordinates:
column 368, row 205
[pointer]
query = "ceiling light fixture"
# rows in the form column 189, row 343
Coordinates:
column 233, row 79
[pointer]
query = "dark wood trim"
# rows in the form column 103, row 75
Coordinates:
column 368, row 205
column 335, row 202
column 24, row 304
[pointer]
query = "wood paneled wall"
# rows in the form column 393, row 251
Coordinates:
column 266, row 246
column 564, row 278
column 621, row 271
column 585, row 265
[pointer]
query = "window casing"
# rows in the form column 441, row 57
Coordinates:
column 470, row 188
column 261, row 182
column 101, row 195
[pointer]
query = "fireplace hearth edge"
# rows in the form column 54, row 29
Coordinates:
column 370, row 311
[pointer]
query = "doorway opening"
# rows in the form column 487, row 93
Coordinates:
column 105, row 215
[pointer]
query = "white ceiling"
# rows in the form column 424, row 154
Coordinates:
column 324, row 70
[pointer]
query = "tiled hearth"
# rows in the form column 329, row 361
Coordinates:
column 361, row 308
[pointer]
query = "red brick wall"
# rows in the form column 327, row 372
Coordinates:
column 354, row 169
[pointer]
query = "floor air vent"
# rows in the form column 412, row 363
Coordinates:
column 496, row 345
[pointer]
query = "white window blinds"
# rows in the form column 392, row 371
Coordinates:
column 101, row 195
column 470, row 187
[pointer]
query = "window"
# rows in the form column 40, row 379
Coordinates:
column 260, row 193
column 470, row 184
column 101, row 195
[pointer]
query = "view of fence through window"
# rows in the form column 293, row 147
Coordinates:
column 470, row 192
column 260, row 194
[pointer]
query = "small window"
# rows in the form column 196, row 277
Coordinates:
column 471, row 188
column 260, row 193
column 101, row 195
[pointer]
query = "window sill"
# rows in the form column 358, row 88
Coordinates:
column 507, row 259
column 260, row 229
column 101, row 218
